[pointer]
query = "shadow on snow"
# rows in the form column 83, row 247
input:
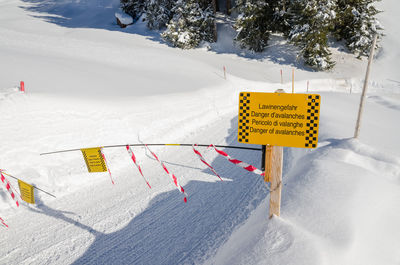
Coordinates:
column 170, row 231
column 99, row 14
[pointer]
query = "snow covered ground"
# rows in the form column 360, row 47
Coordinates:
column 90, row 83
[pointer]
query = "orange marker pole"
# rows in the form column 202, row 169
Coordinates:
column 224, row 72
column 22, row 86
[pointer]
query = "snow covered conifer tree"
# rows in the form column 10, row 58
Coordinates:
column 311, row 23
column 281, row 16
column 193, row 21
column 253, row 24
column 257, row 19
column 356, row 24
column 158, row 13
column 134, row 8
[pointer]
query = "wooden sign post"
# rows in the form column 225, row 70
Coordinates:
column 277, row 120
column 273, row 174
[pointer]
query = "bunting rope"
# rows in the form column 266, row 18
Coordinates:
column 12, row 187
column 175, row 180
column 205, row 162
column 108, row 168
column 3, row 223
column 123, row 145
column 8, row 187
column 132, row 155
column 11, row 176
column 239, row 163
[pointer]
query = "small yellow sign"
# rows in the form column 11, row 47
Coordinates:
column 27, row 193
column 280, row 119
column 94, row 159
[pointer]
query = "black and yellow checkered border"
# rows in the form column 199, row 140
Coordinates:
column 244, row 120
column 103, row 163
column 311, row 137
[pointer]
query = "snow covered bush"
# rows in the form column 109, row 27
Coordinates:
column 252, row 25
column 306, row 23
column 356, row 24
column 257, row 20
column 158, row 13
column 312, row 21
column 192, row 22
column 134, row 8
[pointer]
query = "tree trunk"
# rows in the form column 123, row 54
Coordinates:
column 228, row 7
column 215, row 7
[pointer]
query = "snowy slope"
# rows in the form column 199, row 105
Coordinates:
column 90, row 83
column 340, row 202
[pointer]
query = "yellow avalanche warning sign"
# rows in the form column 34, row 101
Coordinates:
column 94, row 159
column 27, row 193
column 280, row 119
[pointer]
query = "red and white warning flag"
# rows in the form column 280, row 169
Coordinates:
column 205, row 162
column 3, row 223
column 128, row 148
column 175, row 180
column 240, row 163
column 8, row 187
column 108, row 168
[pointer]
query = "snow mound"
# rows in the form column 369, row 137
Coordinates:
column 353, row 221
column 123, row 17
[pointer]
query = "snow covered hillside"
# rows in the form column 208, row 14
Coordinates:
column 89, row 83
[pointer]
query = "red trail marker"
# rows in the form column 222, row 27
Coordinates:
column 22, row 86
column 3, row 223
column 205, row 162
column 239, row 163
column 9, row 189
column 132, row 155
column 174, row 179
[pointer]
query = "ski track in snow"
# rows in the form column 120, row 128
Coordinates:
column 96, row 222
column 159, row 229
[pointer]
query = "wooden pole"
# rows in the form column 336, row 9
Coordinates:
column 267, row 162
column 281, row 77
column 308, row 84
column 364, row 92
column 273, row 174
